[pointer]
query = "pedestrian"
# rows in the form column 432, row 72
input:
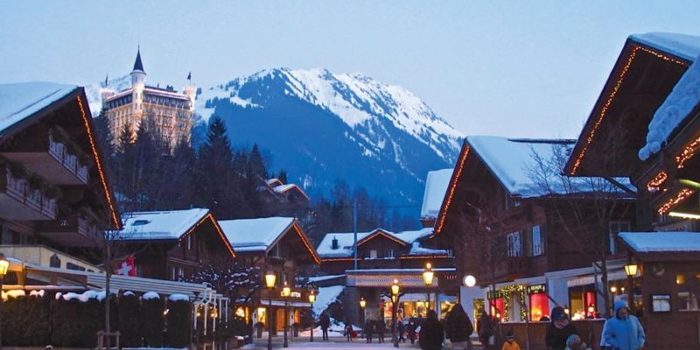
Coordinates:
column 325, row 322
column 411, row 330
column 458, row 328
column 603, row 344
column 348, row 331
column 510, row 343
column 369, row 330
column 623, row 331
column 485, row 329
column 401, row 328
column 381, row 329
column 559, row 330
column 431, row 333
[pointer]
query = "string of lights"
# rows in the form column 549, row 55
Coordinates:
column 451, row 192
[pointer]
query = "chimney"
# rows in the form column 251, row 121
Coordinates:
column 334, row 243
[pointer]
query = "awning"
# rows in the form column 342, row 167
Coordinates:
column 589, row 279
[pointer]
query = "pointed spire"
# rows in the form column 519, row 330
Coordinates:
column 138, row 65
column 189, row 76
column 107, row 80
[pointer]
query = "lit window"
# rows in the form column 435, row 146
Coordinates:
column 536, row 239
column 373, row 254
column 513, row 243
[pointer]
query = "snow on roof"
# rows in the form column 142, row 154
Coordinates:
column 160, row 224
column 684, row 46
column 284, row 188
column 21, row 100
column 654, row 242
column 676, row 108
column 435, row 187
column 325, row 297
column 514, row 163
column 255, row 234
column 346, row 241
column 273, row 181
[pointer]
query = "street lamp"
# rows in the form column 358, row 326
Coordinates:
column 630, row 271
column 428, row 275
column 394, row 308
column 363, row 303
column 270, row 279
column 312, row 299
column 286, row 291
column 469, row 281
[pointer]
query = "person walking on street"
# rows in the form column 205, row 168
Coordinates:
column 401, row 328
column 485, row 329
column 411, row 330
column 559, row 330
column 624, row 331
column 369, row 330
column 325, row 322
column 431, row 333
column 458, row 328
column 381, row 329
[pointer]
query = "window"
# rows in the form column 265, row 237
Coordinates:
column 615, row 227
column 536, row 241
column 189, row 242
column 513, row 244
column 390, row 253
column 373, row 254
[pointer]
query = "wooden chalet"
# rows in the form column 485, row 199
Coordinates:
column 511, row 226
column 279, row 245
column 171, row 245
column 55, row 198
column 646, row 126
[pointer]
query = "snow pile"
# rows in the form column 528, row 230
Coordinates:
column 16, row 293
column 178, row 297
column 677, row 106
column 647, row 242
column 128, row 293
column 150, row 295
column 417, row 249
column 84, row 297
column 37, row 293
column 325, row 297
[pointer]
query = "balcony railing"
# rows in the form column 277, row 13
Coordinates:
column 27, row 203
column 70, row 161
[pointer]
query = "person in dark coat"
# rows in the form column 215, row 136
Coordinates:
column 431, row 333
column 411, row 331
column 485, row 328
column 458, row 327
column 381, row 329
column 325, row 322
column 401, row 329
column 349, row 331
column 369, row 330
column 559, row 330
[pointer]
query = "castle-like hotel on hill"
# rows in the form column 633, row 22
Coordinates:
column 168, row 111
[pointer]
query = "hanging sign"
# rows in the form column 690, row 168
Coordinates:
column 536, row 289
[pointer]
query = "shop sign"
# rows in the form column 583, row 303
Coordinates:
column 536, row 289
column 295, row 295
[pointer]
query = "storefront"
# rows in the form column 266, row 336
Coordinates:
column 538, row 301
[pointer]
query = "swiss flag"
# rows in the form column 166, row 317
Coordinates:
column 126, row 267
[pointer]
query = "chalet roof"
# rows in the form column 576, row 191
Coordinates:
column 255, row 234
column 346, row 241
column 657, row 242
column 138, row 65
column 21, row 100
column 435, row 187
column 158, row 225
column 677, row 107
column 683, row 46
column 274, row 182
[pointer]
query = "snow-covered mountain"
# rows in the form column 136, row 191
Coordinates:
column 321, row 126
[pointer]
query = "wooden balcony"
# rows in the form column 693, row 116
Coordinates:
column 75, row 229
column 506, row 269
column 19, row 201
column 50, row 159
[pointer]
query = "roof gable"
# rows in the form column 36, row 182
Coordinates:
column 22, row 100
column 381, row 233
column 436, row 184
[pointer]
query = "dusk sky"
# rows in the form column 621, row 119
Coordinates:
column 509, row 68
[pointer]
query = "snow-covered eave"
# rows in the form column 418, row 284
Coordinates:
column 677, row 45
column 663, row 246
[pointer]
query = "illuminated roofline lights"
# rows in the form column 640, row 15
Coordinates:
column 687, row 153
column 680, row 197
column 450, row 196
column 380, row 233
column 655, row 184
column 611, row 98
column 306, row 242
column 98, row 164
column 218, row 230
column 683, row 215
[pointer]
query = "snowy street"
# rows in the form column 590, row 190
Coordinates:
column 334, row 343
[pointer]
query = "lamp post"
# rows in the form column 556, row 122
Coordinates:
column 312, row 299
column 394, row 309
column 286, row 291
column 270, row 279
column 630, row 271
column 428, row 275
column 4, row 264
column 363, row 304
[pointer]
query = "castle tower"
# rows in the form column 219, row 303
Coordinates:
column 190, row 91
column 138, row 83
